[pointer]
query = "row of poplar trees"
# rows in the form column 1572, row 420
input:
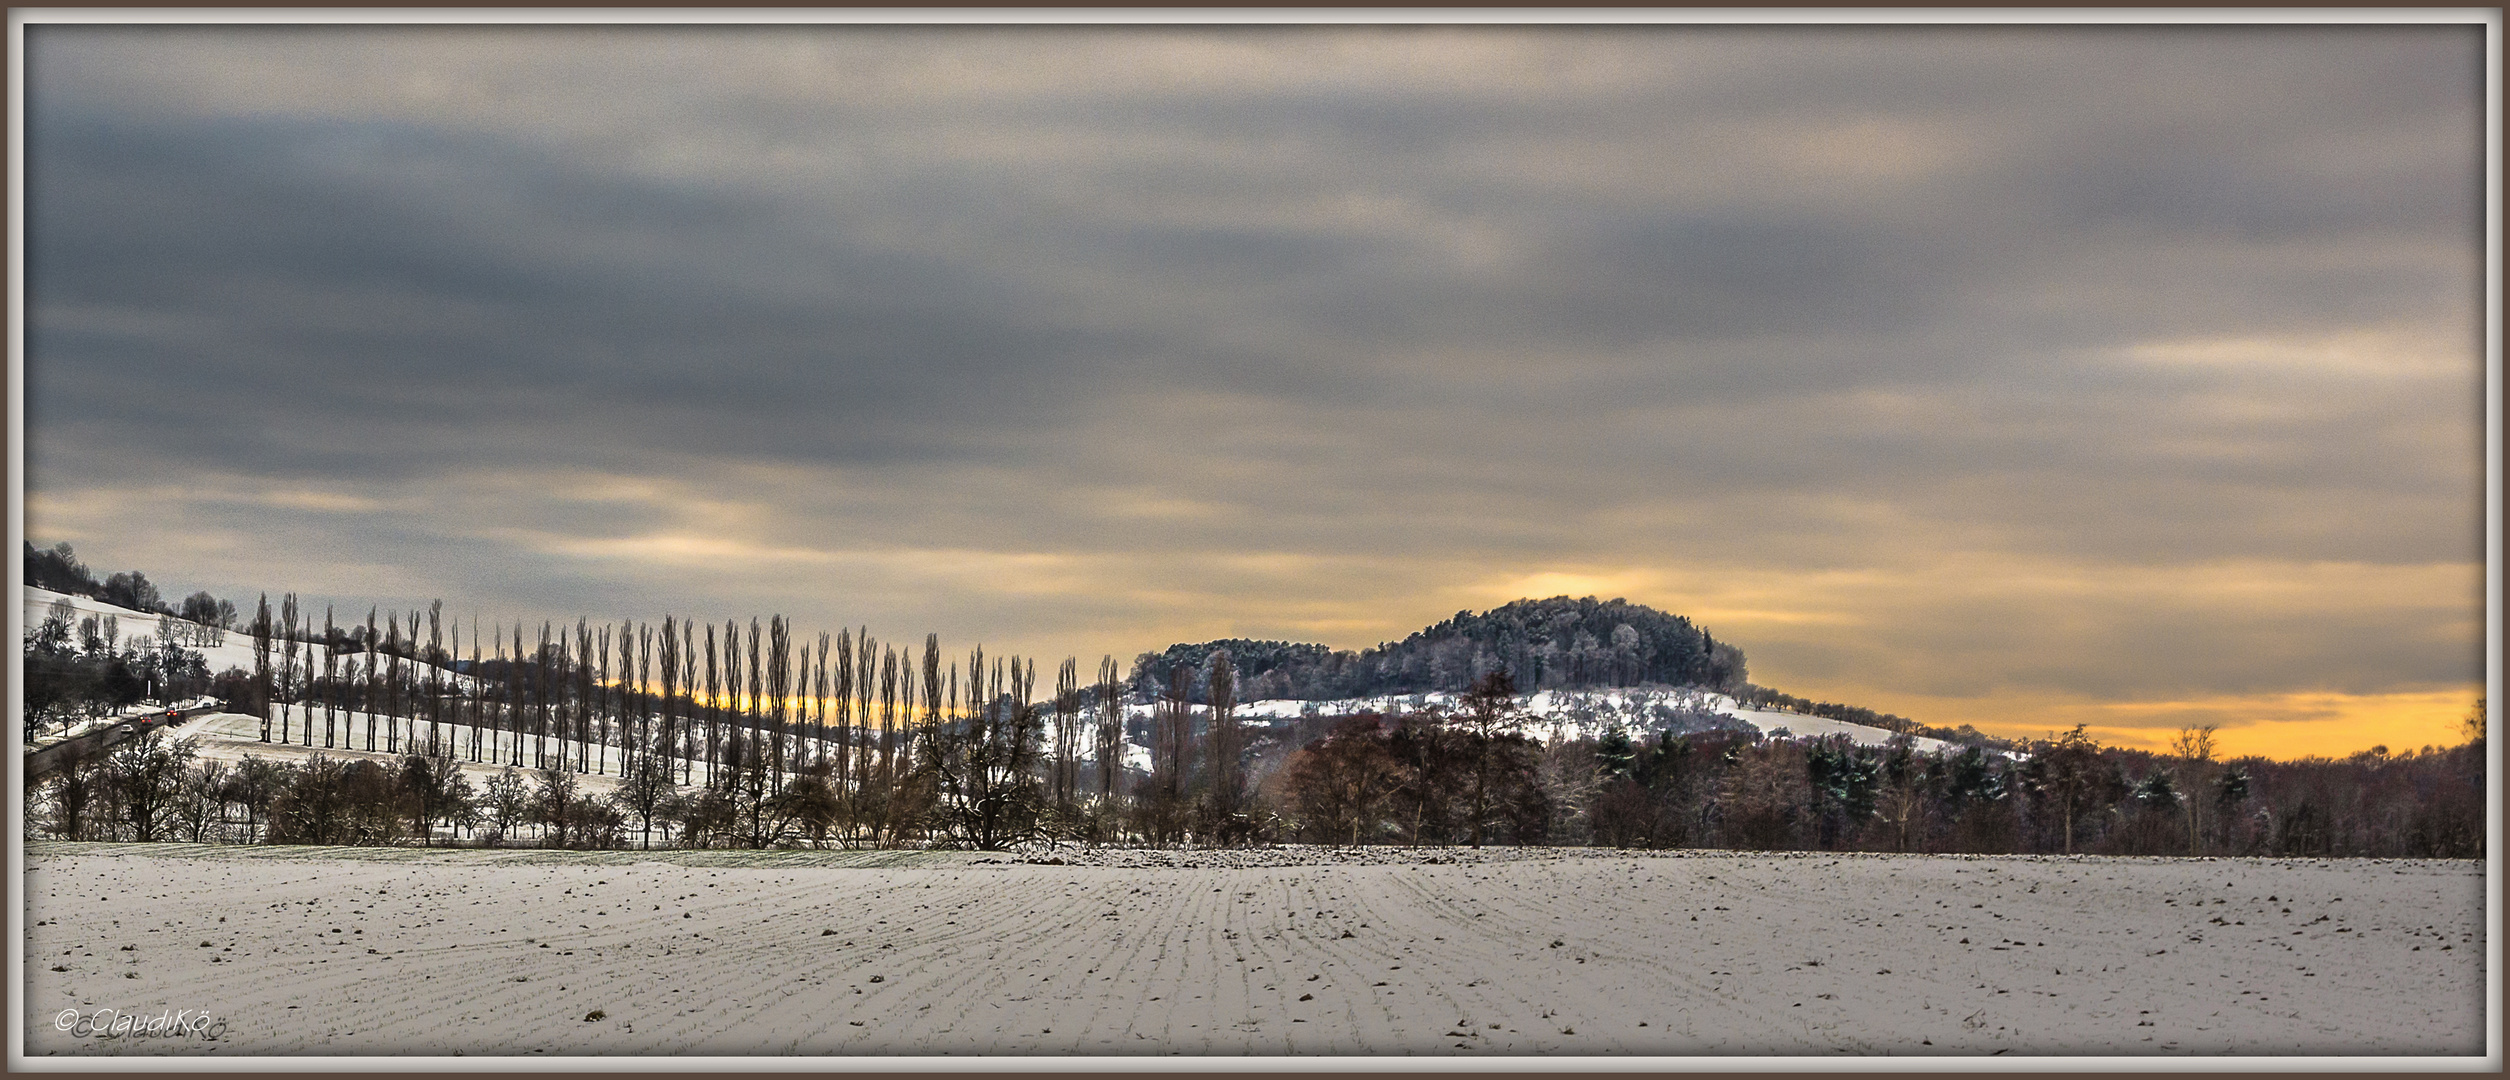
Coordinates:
column 846, row 739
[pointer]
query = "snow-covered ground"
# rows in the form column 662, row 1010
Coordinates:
column 1287, row 952
column 228, row 737
column 1587, row 714
column 1550, row 715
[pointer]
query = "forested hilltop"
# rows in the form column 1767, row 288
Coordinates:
column 1563, row 643
column 1556, row 644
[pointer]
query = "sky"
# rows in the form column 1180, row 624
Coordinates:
column 2012, row 376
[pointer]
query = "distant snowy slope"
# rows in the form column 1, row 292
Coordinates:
column 1572, row 714
column 140, row 626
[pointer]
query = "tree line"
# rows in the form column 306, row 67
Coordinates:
column 754, row 735
column 58, row 569
column 1430, row 778
column 78, row 667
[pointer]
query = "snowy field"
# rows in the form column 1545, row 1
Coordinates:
column 1278, row 952
column 228, row 737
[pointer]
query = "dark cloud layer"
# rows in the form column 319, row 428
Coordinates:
column 1090, row 338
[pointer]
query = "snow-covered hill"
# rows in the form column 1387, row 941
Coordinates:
column 1550, row 716
column 235, row 651
column 1554, row 715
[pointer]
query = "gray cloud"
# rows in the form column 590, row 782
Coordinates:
column 1089, row 337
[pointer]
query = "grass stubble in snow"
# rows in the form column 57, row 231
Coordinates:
column 1290, row 951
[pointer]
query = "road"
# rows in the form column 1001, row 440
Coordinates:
column 42, row 762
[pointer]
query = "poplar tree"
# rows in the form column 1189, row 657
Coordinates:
column 340, row 669
column 1171, row 756
column 330, row 681
column 670, row 689
column 819, row 708
column 932, row 682
column 478, row 686
column 757, row 705
column 844, row 690
column 714, row 705
column 392, row 685
column 779, row 688
column 515, row 691
column 735, row 749
column 413, row 693
column 1067, row 765
column 547, row 661
column 287, row 659
column 688, row 684
column 888, row 720
column 1227, row 786
column 863, row 686
column 261, row 667
column 1110, row 727
column 436, row 660
column 605, row 687
column 644, row 692
column 585, row 713
column 374, row 646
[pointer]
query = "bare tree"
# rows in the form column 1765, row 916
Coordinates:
column 1172, row 753
column 554, row 796
column 644, row 792
column 1227, row 784
column 1339, row 782
column 1490, row 715
column 508, row 794
column 2071, row 762
column 2195, row 750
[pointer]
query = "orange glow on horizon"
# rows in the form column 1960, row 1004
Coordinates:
column 2281, row 726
